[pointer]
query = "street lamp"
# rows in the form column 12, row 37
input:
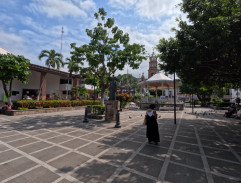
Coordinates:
column 175, row 118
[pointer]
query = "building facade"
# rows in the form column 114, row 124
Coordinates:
column 152, row 66
column 44, row 82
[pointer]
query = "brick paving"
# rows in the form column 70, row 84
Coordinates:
column 60, row 148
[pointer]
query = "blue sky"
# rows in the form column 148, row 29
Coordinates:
column 29, row 26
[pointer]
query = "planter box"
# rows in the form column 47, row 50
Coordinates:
column 95, row 116
column 43, row 110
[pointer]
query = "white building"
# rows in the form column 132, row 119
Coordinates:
column 44, row 80
column 232, row 95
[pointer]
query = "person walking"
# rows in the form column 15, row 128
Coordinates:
column 151, row 125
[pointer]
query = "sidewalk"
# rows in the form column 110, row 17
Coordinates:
column 60, row 148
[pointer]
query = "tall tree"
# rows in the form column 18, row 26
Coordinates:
column 128, row 82
column 209, row 43
column 53, row 59
column 13, row 67
column 108, row 51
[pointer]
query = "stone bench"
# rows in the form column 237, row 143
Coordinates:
column 164, row 108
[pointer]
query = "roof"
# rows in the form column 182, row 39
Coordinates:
column 39, row 68
column 159, row 77
column 4, row 51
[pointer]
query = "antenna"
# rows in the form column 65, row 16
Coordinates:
column 62, row 32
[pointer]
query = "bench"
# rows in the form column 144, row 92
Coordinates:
column 164, row 108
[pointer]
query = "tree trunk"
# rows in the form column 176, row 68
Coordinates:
column 8, row 93
column 102, row 100
column 41, row 85
column 9, row 101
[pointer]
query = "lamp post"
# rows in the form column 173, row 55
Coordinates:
column 86, row 113
column 175, row 118
column 117, row 125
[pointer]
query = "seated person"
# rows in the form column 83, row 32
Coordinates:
column 5, row 107
column 231, row 111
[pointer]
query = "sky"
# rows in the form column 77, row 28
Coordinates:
column 29, row 26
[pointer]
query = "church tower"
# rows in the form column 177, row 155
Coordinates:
column 152, row 66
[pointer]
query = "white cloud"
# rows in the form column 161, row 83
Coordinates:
column 16, row 44
column 151, row 9
column 155, row 9
column 53, row 31
column 10, row 39
column 150, row 39
column 56, row 8
column 88, row 5
column 120, row 4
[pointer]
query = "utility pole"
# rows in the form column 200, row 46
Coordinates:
column 175, row 117
column 62, row 32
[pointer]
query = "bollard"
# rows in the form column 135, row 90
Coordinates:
column 117, row 125
column 86, row 112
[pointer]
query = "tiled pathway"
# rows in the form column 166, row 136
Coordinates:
column 60, row 148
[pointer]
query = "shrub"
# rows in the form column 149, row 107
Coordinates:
column 33, row 104
column 21, row 108
column 97, row 109
column 123, row 97
column 224, row 104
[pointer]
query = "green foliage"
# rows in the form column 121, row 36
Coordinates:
column 53, row 59
column 224, row 104
column 97, row 109
column 138, row 96
column 206, row 48
column 108, row 50
column 76, row 91
column 21, row 108
column 11, row 67
column 128, row 82
column 33, row 104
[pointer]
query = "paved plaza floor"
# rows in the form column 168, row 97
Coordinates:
column 60, row 148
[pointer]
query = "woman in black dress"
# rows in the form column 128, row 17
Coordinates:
column 151, row 125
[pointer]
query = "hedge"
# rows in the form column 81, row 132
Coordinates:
column 97, row 109
column 33, row 104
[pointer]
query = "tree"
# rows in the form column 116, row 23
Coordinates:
column 77, row 91
column 208, row 45
column 13, row 67
column 128, row 82
column 53, row 59
column 108, row 51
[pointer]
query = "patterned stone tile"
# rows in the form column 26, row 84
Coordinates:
column 94, row 172
column 14, row 167
column 146, row 165
column 180, row 174
column 68, row 162
column 39, row 175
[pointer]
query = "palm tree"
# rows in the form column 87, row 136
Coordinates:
column 53, row 60
column 72, row 66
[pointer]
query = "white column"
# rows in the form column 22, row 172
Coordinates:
column 162, row 89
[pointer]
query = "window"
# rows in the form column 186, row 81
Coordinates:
column 65, row 81
column 14, row 93
column 65, row 92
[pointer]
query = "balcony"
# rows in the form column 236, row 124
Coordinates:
column 65, row 86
